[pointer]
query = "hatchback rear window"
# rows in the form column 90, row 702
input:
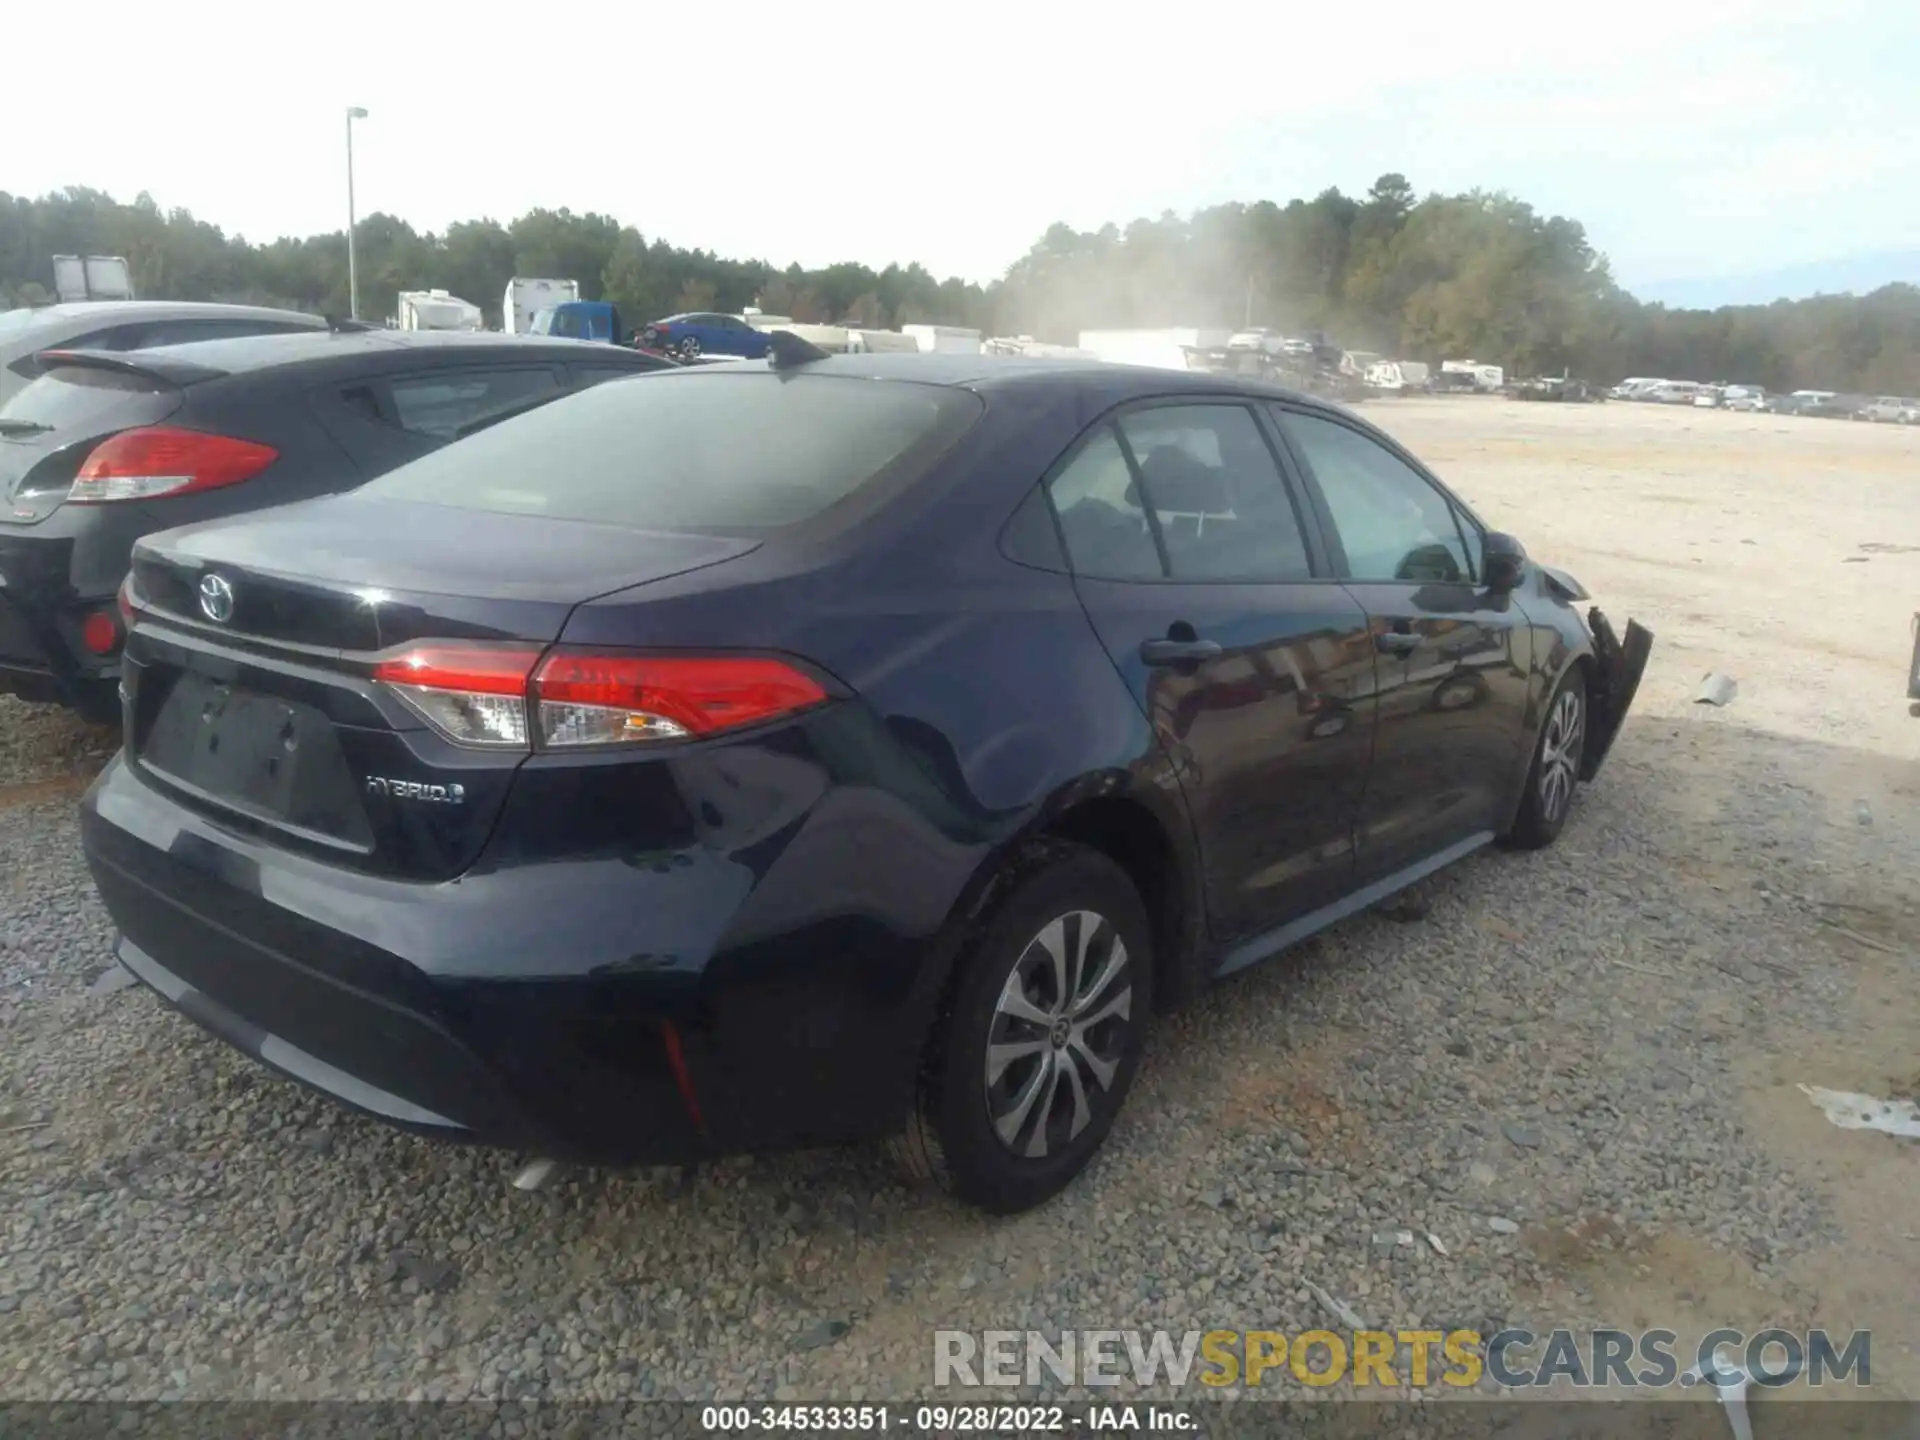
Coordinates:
column 693, row 451
column 78, row 397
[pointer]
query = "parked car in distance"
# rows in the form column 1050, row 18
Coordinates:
column 1747, row 398
column 841, row 748
column 1799, row 402
column 705, row 333
column 1634, row 387
column 128, row 325
column 1836, row 407
column 1887, row 410
column 1674, row 392
column 1709, row 397
column 105, row 447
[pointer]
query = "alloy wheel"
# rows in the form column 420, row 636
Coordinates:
column 689, row 348
column 1560, row 753
column 1058, row 1034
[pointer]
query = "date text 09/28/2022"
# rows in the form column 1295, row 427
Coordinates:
column 946, row 1419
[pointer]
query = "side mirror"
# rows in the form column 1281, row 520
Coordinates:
column 1504, row 559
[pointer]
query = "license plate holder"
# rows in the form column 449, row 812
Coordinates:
column 233, row 745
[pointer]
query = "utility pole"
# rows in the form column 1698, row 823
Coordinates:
column 354, row 113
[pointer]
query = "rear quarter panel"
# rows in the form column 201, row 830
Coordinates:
column 984, row 706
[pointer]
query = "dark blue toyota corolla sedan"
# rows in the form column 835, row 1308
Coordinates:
column 820, row 750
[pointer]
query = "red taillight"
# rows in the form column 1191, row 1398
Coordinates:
column 162, row 460
column 472, row 694
column 605, row 699
column 476, row 695
column 100, row 632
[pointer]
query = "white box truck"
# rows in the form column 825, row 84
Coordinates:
column 91, row 277
column 1164, row 349
column 527, row 297
column 435, row 310
column 944, row 339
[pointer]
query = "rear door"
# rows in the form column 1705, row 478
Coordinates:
column 1452, row 657
column 387, row 420
column 1216, row 603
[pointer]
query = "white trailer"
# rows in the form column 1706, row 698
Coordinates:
column 1163, row 349
column 944, row 339
column 1394, row 376
column 435, row 310
column 527, row 297
column 1485, row 377
column 91, row 277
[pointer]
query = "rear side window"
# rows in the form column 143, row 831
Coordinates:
column 186, row 332
column 444, row 404
column 694, row 451
column 1101, row 517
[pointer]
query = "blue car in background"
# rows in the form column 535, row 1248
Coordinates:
column 701, row 332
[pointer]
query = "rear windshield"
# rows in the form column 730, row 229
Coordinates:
column 694, row 451
column 78, row 397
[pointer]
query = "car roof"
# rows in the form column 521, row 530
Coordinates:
column 251, row 353
column 1101, row 381
column 95, row 311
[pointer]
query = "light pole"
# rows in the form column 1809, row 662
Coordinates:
column 354, row 112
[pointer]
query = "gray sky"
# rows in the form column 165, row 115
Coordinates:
column 1690, row 139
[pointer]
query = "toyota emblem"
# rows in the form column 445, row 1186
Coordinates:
column 216, row 598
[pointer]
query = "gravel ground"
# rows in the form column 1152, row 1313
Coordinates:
column 1575, row 1068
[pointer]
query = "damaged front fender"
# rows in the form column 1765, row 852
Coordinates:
column 1618, row 665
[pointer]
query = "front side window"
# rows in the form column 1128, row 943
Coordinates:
column 1392, row 522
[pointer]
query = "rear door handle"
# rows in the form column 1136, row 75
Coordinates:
column 1178, row 652
column 1397, row 642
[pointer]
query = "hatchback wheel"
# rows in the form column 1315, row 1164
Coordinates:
column 1555, row 773
column 1038, row 1046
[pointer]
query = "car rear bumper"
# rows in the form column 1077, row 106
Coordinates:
column 52, row 576
column 525, row 1007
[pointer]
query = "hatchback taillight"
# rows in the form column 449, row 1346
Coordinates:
column 502, row 697
column 158, row 460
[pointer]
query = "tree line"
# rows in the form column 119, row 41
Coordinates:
column 1480, row 275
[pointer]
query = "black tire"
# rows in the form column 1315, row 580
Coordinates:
column 951, row 1138
column 1554, row 775
column 689, row 348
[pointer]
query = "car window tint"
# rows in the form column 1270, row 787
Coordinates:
column 1392, row 522
column 1223, row 508
column 440, row 405
column 694, row 450
column 1101, row 517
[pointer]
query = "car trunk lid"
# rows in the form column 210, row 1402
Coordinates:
column 253, row 679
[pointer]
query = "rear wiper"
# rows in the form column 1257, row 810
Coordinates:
column 23, row 427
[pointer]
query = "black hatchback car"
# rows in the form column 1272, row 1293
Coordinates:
column 832, row 749
column 107, row 446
